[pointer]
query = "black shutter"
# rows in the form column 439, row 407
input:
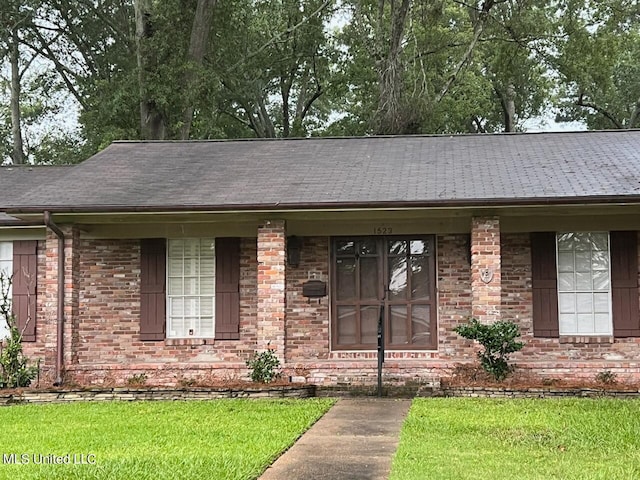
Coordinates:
column 228, row 288
column 624, row 284
column 152, row 288
column 545, row 284
column 25, row 280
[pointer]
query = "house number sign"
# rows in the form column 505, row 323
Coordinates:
column 382, row 230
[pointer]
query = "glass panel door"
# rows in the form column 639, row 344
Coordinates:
column 395, row 272
column 357, row 292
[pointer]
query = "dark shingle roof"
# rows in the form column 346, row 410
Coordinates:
column 18, row 183
column 427, row 170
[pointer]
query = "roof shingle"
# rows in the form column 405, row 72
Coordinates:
column 429, row 170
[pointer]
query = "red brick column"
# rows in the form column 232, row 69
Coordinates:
column 485, row 269
column 272, row 246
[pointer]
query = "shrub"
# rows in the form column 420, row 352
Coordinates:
column 264, row 366
column 15, row 370
column 498, row 340
column 137, row 380
column 606, row 377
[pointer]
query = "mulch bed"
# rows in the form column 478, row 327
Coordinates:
column 465, row 375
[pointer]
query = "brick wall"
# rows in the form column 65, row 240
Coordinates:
column 308, row 354
column 307, row 326
column 106, row 349
column 551, row 356
column 109, row 348
column 454, row 296
column 308, row 351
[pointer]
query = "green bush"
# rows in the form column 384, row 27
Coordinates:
column 264, row 366
column 607, row 377
column 15, row 370
column 498, row 340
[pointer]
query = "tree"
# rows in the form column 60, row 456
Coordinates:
column 275, row 69
column 441, row 66
column 15, row 18
column 597, row 61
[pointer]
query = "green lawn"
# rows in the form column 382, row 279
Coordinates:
column 222, row 439
column 456, row 438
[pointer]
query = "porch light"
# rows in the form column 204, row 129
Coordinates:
column 294, row 245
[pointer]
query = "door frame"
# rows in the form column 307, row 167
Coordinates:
column 382, row 261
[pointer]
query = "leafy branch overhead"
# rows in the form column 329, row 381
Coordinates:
column 80, row 74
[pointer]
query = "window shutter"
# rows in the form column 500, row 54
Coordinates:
column 545, row 284
column 25, row 280
column 228, row 288
column 624, row 284
column 152, row 288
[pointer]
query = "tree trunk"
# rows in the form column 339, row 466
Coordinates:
column 478, row 19
column 634, row 115
column 152, row 123
column 391, row 118
column 16, row 119
column 200, row 31
column 285, row 89
column 510, row 109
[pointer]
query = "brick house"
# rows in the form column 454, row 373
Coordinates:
column 180, row 259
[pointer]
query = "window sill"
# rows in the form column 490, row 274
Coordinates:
column 586, row 339
column 189, row 341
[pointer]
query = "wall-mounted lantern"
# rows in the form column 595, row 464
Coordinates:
column 294, row 246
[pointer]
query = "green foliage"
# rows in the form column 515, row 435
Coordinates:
column 498, row 341
column 227, row 439
column 524, row 439
column 311, row 67
column 137, row 380
column 607, row 377
column 264, row 366
column 597, row 62
column 15, row 370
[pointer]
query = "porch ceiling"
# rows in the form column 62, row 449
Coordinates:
column 350, row 222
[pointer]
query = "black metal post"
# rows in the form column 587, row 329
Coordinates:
column 380, row 347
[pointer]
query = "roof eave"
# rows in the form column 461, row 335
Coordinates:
column 380, row 205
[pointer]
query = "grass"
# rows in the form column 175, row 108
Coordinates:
column 222, row 439
column 520, row 439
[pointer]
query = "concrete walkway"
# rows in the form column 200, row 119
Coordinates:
column 355, row 440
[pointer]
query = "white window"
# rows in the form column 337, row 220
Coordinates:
column 191, row 288
column 584, row 284
column 6, row 267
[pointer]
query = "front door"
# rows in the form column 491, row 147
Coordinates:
column 395, row 272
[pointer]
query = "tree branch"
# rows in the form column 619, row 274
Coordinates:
column 477, row 32
column 282, row 34
column 61, row 69
column 581, row 102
